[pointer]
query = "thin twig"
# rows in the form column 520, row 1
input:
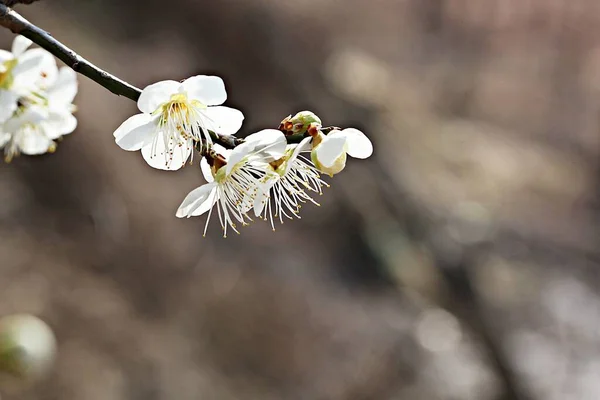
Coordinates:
column 13, row 21
column 11, row 3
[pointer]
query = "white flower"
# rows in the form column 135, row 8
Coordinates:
column 22, row 74
column 174, row 116
column 329, row 151
column 287, row 187
column 234, row 180
column 41, row 119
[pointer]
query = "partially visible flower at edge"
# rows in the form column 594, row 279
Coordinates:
column 234, row 179
column 173, row 116
column 42, row 115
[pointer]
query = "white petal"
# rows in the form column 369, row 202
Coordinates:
column 335, row 134
column 358, row 144
column 155, row 154
column 262, row 196
column 36, row 68
column 65, row 88
column 209, row 90
column 8, row 104
column 198, row 201
column 4, row 138
column 32, row 115
column 222, row 150
column 59, row 123
column 270, row 142
column 223, row 120
column 265, row 138
column 206, row 170
column 236, row 156
column 156, row 94
column 329, row 150
column 33, row 141
column 302, row 146
column 20, row 44
column 135, row 132
column 260, row 201
column 5, row 56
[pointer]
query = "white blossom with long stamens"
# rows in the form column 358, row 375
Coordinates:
column 288, row 187
column 235, row 181
column 173, row 116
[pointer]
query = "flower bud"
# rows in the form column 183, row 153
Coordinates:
column 27, row 347
column 299, row 123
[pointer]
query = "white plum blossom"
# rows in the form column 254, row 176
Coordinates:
column 173, row 116
column 42, row 114
column 23, row 74
column 234, row 179
column 286, row 190
column 329, row 151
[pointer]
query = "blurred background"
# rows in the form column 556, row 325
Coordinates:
column 460, row 262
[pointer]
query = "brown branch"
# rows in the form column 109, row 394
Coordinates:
column 11, row 3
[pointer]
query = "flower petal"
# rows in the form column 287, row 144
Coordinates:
column 222, row 150
column 33, row 142
column 223, row 120
column 237, row 156
column 358, row 144
column 260, row 201
column 5, row 56
column 135, row 132
column 209, row 90
column 304, row 145
column 271, row 143
column 20, row 44
column 32, row 115
column 59, row 123
column 300, row 147
column 206, row 170
column 8, row 104
column 198, row 201
column 36, row 68
column 156, row 94
column 4, row 138
column 161, row 153
column 262, row 196
column 330, row 149
column 65, row 88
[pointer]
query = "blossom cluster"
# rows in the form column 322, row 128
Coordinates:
column 35, row 100
column 270, row 174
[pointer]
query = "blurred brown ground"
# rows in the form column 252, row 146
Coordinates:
column 482, row 200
